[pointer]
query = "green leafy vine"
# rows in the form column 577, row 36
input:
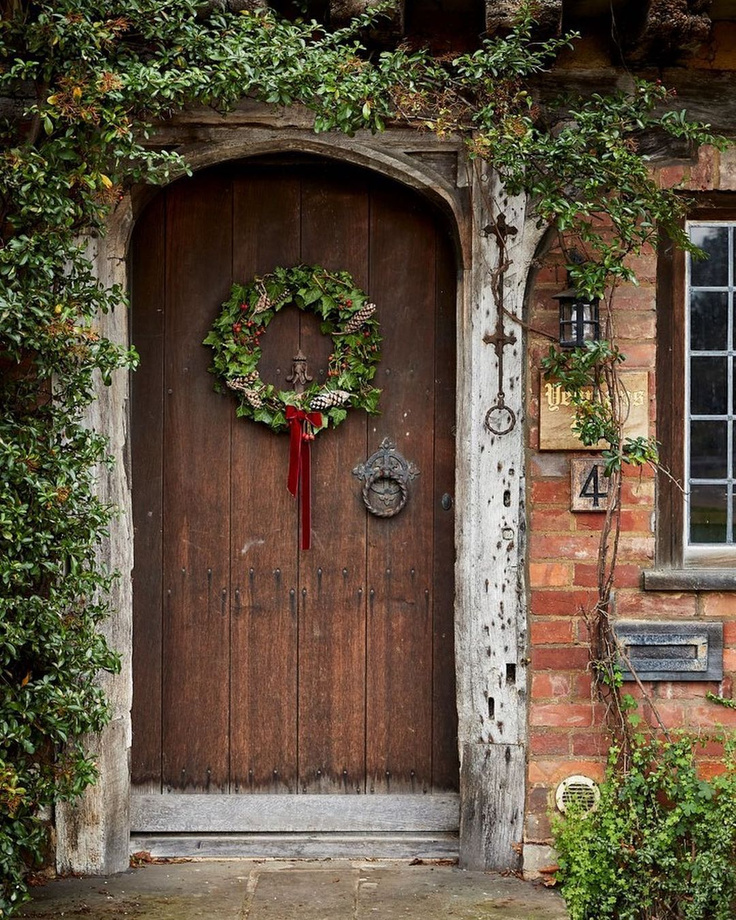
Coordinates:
column 83, row 83
column 726, row 701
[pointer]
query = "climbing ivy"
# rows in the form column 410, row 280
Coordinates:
column 82, row 85
column 661, row 842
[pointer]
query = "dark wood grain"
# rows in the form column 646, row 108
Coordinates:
column 400, row 549
column 264, row 558
column 147, row 334
column 196, row 493
column 335, row 210
column 445, row 766
column 324, row 671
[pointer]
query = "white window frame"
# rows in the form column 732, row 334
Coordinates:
column 711, row 554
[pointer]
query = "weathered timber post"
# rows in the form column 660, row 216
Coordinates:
column 93, row 834
column 491, row 623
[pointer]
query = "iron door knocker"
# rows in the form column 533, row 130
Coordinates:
column 386, row 476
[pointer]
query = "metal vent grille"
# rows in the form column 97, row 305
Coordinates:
column 578, row 792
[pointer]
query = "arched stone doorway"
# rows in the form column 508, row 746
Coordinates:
column 490, row 614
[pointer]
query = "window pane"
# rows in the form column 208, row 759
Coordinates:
column 708, row 514
column 708, row 394
column 708, row 450
column 713, row 271
column 708, row 321
column 711, row 405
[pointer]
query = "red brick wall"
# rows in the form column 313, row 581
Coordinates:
column 565, row 722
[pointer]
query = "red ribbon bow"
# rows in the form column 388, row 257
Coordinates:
column 300, row 463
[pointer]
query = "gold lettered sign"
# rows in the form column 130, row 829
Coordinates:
column 557, row 417
column 588, row 485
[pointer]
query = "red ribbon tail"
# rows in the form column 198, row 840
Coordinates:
column 300, row 467
column 306, row 498
column 295, row 455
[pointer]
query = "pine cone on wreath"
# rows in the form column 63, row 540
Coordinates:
column 329, row 399
column 357, row 319
column 242, row 383
column 254, row 398
column 263, row 303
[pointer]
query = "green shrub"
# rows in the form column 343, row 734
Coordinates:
column 52, row 592
column 661, row 845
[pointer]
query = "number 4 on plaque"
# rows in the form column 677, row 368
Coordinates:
column 589, row 487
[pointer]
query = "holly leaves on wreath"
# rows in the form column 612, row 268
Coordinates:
column 346, row 315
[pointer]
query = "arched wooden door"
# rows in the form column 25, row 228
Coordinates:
column 260, row 668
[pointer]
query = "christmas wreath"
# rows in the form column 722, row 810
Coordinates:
column 346, row 315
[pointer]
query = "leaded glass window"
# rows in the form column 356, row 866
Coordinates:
column 710, row 401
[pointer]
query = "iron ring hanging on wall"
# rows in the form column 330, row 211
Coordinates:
column 500, row 419
column 386, row 475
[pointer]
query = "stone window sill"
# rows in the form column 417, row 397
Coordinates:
column 689, row 579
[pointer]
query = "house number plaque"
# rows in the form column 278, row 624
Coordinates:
column 588, row 485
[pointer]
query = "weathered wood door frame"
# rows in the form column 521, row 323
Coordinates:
column 490, row 618
column 341, row 669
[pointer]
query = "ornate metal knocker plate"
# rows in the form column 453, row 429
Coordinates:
column 386, row 476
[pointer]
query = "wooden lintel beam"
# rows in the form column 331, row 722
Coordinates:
column 670, row 28
column 501, row 15
column 232, row 6
column 391, row 24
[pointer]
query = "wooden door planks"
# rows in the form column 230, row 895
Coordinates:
column 445, row 766
column 263, row 724
column 400, row 549
column 324, row 666
column 196, row 493
column 332, row 588
column 147, row 427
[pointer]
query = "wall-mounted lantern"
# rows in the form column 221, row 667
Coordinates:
column 579, row 318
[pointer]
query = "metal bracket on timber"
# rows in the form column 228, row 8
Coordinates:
column 670, row 27
column 390, row 26
column 500, row 419
column 502, row 14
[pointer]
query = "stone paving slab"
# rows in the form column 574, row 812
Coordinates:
column 306, row 890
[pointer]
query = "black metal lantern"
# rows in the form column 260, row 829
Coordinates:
column 579, row 318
